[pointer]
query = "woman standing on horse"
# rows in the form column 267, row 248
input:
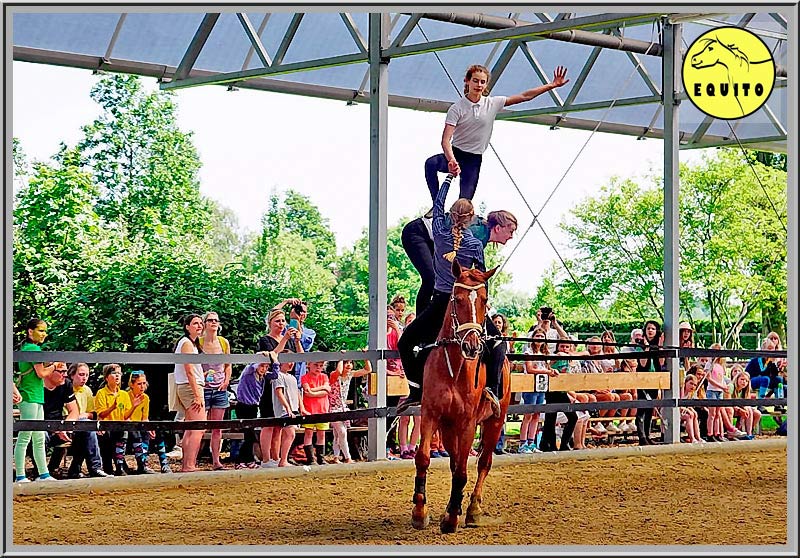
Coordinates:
column 455, row 241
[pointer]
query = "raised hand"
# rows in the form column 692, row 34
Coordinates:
column 560, row 77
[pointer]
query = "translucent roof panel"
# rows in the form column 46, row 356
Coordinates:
column 323, row 53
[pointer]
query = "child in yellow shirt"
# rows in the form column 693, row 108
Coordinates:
column 112, row 403
column 137, row 384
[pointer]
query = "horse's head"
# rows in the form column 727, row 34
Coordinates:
column 468, row 308
column 708, row 56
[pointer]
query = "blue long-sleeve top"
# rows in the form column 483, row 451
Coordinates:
column 469, row 253
column 250, row 389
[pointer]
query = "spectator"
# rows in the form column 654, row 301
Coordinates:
column 764, row 373
column 715, row 389
column 653, row 338
column 501, row 322
column 278, row 339
column 394, row 367
column 30, row 386
column 686, row 341
column 548, row 441
column 398, row 306
column 316, row 391
column 740, row 389
column 581, row 426
column 287, row 402
column 340, row 385
column 628, row 365
column 611, row 363
column 84, row 443
column 698, row 371
column 140, row 401
column 189, row 385
column 58, row 397
column 112, row 403
column 688, row 414
column 546, row 320
column 254, row 380
column 596, row 366
column 217, row 379
column 297, row 320
column 530, row 421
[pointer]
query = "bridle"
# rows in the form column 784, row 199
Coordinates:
column 462, row 332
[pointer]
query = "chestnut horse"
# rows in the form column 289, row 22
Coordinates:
column 453, row 402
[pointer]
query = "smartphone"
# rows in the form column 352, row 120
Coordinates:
column 294, row 323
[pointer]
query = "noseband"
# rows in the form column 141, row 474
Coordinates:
column 462, row 332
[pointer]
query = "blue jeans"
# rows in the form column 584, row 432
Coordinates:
column 85, row 447
column 470, row 164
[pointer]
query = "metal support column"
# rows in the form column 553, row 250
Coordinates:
column 671, row 85
column 378, row 115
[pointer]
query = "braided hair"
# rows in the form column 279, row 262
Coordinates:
column 461, row 214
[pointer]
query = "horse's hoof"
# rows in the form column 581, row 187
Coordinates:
column 473, row 520
column 446, row 525
column 420, row 522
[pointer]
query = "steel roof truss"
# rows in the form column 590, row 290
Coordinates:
column 406, row 30
column 774, row 119
column 287, row 39
column 579, row 81
column 780, row 19
column 252, row 50
column 353, row 29
column 255, row 39
column 198, row 41
column 527, row 32
column 639, row 67
column 502, row 62
column 701, row 129
column 115, row 36
column 526, row 50
column 595, row 105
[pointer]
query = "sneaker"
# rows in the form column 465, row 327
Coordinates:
column 271, row 464
column 536, row 450
column 443, row 453
column 176, row 453
column 737, row 433
column 22, row 480
column 120, row 473
column 524, row 448
column 435, row 454
column 146, row 471
column 98, row 474
column 48, row 478
column 165, row 469
column 613, row 429
column 600, row 429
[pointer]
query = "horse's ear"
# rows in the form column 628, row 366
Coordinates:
column 489, row 273
column 456, row 268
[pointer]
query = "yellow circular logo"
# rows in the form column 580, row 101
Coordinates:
column 728, row 73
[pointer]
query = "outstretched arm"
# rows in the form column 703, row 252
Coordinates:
column 559, row 79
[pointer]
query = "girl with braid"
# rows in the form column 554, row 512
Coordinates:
column 452, row 239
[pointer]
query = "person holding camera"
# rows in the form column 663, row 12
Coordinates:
column 546, row 320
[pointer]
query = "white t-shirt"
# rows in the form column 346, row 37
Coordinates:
column 474, row 122
column 180, row 370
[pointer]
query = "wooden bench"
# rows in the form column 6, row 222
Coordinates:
column 397, row 385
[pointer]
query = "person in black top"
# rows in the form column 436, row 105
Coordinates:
column 653, row 338
column 58, row 395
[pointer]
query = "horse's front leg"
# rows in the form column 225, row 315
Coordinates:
column 490, row 434
column 419, row 516
column 457, row 441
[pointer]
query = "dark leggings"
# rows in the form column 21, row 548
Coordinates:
column 246, row 449
column 425, row 330
column 418, row 246
column 470, row 164
column 644, row 416
column 548, row 441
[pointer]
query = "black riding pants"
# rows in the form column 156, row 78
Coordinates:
column 418, row 246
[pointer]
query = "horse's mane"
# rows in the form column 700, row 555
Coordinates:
column 740, row 56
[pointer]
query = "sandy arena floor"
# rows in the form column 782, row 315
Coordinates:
column 657, row 498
